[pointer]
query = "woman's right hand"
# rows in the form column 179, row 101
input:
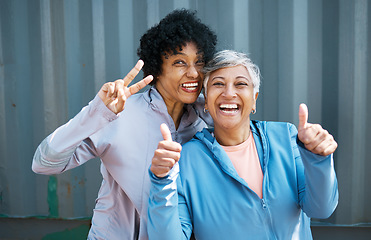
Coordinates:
column 114, row 94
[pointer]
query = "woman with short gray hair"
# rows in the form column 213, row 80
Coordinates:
column 229, row 58
column 243, row 179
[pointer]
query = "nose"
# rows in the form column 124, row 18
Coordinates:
column 229, row 91
column 193, row 72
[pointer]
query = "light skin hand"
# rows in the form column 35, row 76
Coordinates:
column 166, row 154
column 114, row 94
column 313, row 136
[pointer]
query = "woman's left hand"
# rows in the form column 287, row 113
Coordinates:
column 315, row 138
column 166, row 154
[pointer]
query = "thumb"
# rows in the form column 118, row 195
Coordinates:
column 165, row 131
column 303, row 116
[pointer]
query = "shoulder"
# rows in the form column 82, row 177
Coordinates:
column 274, row 126
column 195, row 157
column 200, row 147
column 275, row 129
column 282, row 126
column 194, row 144
column 138, row 98
column 134, row 114
column 136, row 105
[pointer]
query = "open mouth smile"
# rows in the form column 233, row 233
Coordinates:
column 229, row 108
column 190, row 86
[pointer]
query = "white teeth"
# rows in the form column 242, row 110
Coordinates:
column 190, row 85
column 231, row 106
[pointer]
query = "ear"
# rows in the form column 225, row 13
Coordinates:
column 255, row 98
column 205, row 100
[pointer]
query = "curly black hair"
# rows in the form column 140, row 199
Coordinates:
column 172, row 33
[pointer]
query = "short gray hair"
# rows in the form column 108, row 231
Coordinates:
column 230, row 58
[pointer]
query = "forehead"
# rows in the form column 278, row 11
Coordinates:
column 231, row 72
column 188, row 49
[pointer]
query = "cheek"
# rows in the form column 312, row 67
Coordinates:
column 207, row 100
column 201, row 75
column 210, row 101
column 172, row 73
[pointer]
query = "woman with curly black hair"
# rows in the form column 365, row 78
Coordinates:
column 122, row 129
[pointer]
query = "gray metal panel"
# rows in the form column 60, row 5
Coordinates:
column 353, row 111
column 55, row 55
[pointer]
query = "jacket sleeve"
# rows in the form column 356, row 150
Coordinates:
column 317, row 183
column 69, row 145
column 168, row 215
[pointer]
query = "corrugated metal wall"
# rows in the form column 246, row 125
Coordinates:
column 56, row 54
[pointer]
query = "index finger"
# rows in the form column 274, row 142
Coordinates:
column 133, row 72
column 141, row 84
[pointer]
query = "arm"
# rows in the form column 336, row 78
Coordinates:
column 168, row 215
column 70, row 146
column 318, row 190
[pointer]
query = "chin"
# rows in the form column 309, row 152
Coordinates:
column 229, row 125
column 190, row 99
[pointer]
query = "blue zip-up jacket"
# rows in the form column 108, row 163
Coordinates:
column 210, row 199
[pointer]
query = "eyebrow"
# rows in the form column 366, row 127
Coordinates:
column 217, row 77
column 166, row 56
column 177, row 53
column 198, row 53
column 239, row 76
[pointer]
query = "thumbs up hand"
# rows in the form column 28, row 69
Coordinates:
column 313, row 136
column 166, row 154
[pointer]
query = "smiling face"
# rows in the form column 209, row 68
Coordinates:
column 181, row 77
column 230, row 99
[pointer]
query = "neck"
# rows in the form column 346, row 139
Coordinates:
column 175, row 110
column 231, row 137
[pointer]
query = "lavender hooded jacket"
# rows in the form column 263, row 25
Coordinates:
column 125, row 143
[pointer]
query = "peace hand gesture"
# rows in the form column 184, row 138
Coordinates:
column 166, row 154
column 114, row 94
column 315, row 138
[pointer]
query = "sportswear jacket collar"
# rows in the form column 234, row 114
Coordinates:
column 155, row 100
column 218, row 153
column 262, row 145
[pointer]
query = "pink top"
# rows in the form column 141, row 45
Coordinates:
column 245, row 160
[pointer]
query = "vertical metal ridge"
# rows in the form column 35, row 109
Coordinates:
column 55, row 56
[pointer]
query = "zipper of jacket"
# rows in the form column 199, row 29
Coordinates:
column 269, row 217
column 265, row 146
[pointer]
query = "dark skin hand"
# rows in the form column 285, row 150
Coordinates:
column 114, row 94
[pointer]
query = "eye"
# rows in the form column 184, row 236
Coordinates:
column 200, row 63
column 179, row 63
column 242, row 83
column 218, row 84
